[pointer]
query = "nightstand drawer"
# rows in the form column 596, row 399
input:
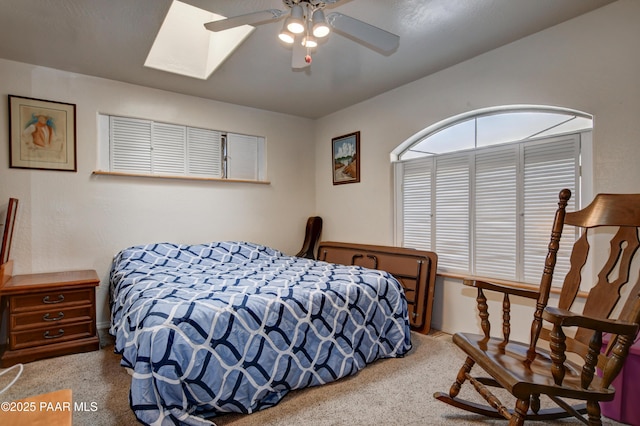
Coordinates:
column 48, row 314
column 50, row 299
column 49, row 335
column 52, row 317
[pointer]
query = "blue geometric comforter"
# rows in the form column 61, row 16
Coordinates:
column 232, row 327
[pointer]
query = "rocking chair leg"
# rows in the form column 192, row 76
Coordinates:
column 462, row 376
column 522, row 406
column 593, row 413
column 535, row 403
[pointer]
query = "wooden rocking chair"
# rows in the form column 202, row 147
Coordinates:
column 527, row 371
column 311, row 238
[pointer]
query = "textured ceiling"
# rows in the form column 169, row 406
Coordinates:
column 111, row 39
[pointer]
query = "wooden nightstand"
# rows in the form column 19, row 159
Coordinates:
column 45, row 315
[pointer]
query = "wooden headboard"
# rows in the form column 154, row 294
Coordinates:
column 415, row 269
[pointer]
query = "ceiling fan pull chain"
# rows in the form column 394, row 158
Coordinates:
column 307, row 58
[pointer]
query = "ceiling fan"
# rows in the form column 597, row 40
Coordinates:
column 306, row 23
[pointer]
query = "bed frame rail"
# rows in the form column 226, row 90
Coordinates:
column 415, row 269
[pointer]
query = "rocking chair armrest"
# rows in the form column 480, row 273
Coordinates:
column 501, row 288
column 564, row 318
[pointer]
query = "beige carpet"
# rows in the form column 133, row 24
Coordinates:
column 388, row 392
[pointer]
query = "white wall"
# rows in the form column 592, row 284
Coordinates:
column 79, row 220
column 590, row 63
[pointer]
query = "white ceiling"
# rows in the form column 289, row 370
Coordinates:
column 111, row 39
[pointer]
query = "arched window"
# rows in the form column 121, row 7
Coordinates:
column 481, row 189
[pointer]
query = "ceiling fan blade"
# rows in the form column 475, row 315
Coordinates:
column 374, row 37
column 253, row 18
column 298, row 55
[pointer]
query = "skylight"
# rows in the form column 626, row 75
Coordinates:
column 183, row 46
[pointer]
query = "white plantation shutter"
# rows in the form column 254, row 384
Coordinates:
column 548, row 168
column 416, row 203
column 204, row 152
column 496, row 218
column 242, row 157
column 154, row 148
column 490, row 210
column 168, row 149
column 130, row 145
column 452, row 212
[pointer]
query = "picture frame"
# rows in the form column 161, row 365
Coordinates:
column 42, row 134
column 345, row 155
column 7, row 232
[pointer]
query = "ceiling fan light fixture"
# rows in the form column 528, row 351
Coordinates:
column 295, row 22
column 309, row 41
column 286, row 35
column 320, row 27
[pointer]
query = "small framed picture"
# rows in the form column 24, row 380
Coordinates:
column 346, row 158
column 42, row 134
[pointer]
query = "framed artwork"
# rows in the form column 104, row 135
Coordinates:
column 42, row 134
column 346, row 158
column 7, row 233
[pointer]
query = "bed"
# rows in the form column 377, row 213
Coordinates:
column 231, row 326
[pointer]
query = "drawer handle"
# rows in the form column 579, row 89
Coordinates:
column 58, row 318
column 60, row 299
column 60, row 334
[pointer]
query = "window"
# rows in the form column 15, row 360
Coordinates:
column 481, row 191
column 148, row 147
